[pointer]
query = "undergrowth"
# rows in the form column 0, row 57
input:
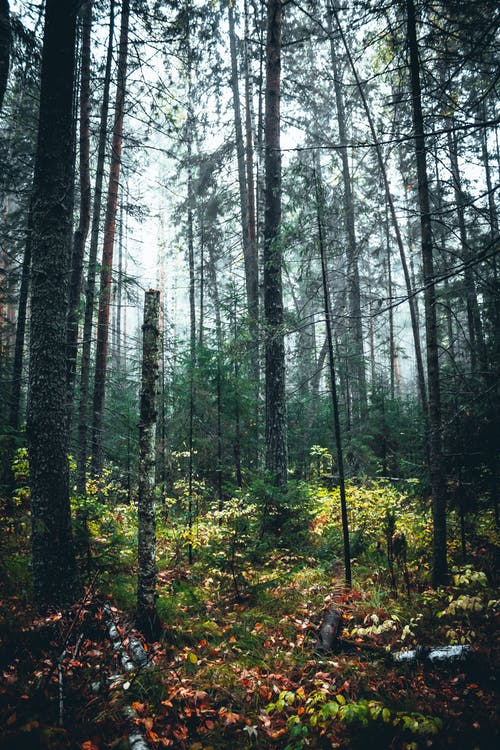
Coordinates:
column 237, row 664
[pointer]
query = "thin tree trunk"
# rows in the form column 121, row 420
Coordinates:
column 333, row 390
column 493, row 216
column 393, row 355
column 5, row 45
column 354, row 295
column 201, row 324
column 439, row 569
column 119, row 292
column 147, row 616
column 476, row 340
column 108, row 245
column 276, row 442
column 392, row 209
column 53, row 559
column 81, row 233
column 244, row 173
column 91, row 273
column 251, row 208
column 17, row 369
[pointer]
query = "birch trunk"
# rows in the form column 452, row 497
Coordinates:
column 147, row 616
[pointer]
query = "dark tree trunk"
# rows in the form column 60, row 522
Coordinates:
column 91, row 274
column 394, row 219
column 252, row 220
column 436, row 467
column 54, row 569
column 476, row 340
column 333, row 390
column 276, row 448
column 147, row 616
column 82, row 230
column 107, row 250
column 5, row 45
column 248, row 229
column 354, row 294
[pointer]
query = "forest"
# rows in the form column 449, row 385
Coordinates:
column 249, row 374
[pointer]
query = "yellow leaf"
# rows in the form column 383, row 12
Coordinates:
column 192, row 657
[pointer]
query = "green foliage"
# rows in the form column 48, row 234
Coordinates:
column 285, row 516
column 316, row 712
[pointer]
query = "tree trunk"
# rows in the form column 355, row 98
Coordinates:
column 397, row 230
column 436, row 467
column 476, row 340
column 17, row 369
column 5, row 45
column 253, row 251
column 107, row 250
column 147, row 616
column 54, row 569
column 354, row 295
column 81, row 233
column 333, row 390
column 249, row 243
column 91, row 274
column 276, row 448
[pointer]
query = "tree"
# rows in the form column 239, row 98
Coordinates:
column 333, row 384
column 54, row 569
column 92, row 264
column 354, row 293
column 147, row 616
column 5, row 44
column 436, row 467
column 81, row 232
column 108, row 246
column 276, row 439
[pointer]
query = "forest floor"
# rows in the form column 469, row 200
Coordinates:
column 237, row 666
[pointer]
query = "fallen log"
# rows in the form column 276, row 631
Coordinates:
column 433, row 655
column 329, row 631
column 136, row 661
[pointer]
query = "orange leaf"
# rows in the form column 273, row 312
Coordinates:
column 139, row 707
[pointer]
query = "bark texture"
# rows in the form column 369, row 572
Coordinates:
column 108, row 246
column 147, row 616
column 54, row 570
column 436, row 466
column 276, row 443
